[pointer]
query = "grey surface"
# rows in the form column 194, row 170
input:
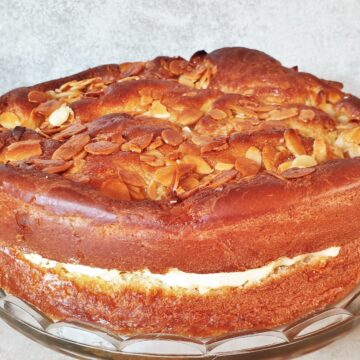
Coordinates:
column 41, row 40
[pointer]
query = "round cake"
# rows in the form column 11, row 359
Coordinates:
column 194, row 197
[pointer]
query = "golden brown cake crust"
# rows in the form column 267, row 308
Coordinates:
column 220, row 163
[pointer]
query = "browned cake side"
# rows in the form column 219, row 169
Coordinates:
column 223, row 163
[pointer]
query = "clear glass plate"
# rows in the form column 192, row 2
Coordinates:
column 91, row 342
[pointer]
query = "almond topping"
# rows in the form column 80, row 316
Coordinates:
column 165, row 175
column 152, row 160
column 55, row 169
column 158, row 110
column 201, row 166
column 70, row 131
column 223, row 166
column 303, row 161
column 307, row 115
column 189, row 183
column 36, row 96
column 217, row 114
column 131, row 178
column 282, row 114
column 293, row 142
column 9, row 120
column 60, row 115
column 269, row 157
column 23, row 150
column 295, row 173
column 223, row 178
column 71, row 147
column 320, row 150
column 284, row 166
column 138, row 144
column 172, row 137
column 189, row 117
column 254, row 154
column 102, row 148
column 246, row 167
column 115, row 189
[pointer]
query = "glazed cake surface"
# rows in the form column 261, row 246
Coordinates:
column 194, row 197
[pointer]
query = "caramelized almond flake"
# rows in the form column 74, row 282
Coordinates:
column 9, row 120
column 295, row 173
column 223, row 166
column 70, row 131
column 282, row 114
column 36, row 96
column 102, row 148
column 60, row 115
column 189, row 117
column 131, row 178
column 293, row 142
column 55, row 169
column 71, row 147
column 138, row 144
column 223, row 177
column 172, row 137
column 165, row 175
column 307, row 115
column 200, row 165
column 217, row 114
column 246, row 167
column 23, row 150
column 254, row 154
column 303, row 161
column 115, row 189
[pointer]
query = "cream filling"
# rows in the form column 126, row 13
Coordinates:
column 176, row 278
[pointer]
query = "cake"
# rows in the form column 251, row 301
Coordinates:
column 194, row 197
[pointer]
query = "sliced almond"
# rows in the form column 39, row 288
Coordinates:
column 115, row 189
column 102, row 148
column 131, row 178
column 269, row 157
column 282, row 114
column 166, row 175
column 189, row 183
column 138, row 144
column 60, row 115
column 295, row 173
column 223, row 177
column 159, row 110
column 23, row 150
column 246, row 167
column 293, row 142
column 223, row 166
column 303, row 161
column 55, row 169
column 36, row 96
column 320, row 150
column 71, row 147
column 9, row 120
column 156, row 143
column 307, row 115
column 189, row 117
column 254, row 154
column 217, row 114
column 152, row 160
column 70, row 131
column 177, row 66
column 172, row 137
column 201, row 166
column 284, row 166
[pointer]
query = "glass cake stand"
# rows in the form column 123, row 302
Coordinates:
column 86, row 341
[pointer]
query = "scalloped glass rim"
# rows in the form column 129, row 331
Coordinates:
column 92, row 342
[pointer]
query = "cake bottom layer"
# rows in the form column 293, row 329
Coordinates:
column 135, row 308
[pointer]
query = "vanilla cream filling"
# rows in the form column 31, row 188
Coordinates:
column 176, row 278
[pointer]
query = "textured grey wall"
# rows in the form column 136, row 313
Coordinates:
column 41, row 40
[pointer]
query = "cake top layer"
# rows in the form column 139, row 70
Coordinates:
column 167, row 128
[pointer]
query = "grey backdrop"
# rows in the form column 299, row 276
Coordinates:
column 40, row 40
